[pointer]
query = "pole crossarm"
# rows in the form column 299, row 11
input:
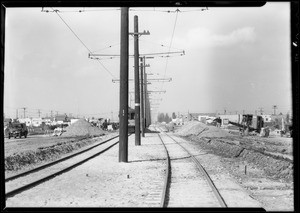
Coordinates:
column 92, row 55
column 146, row 65
column 148, row 80
column 139, row 34
column 161, row 91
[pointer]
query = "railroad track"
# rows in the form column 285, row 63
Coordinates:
column 181, row 177
column 29, row 179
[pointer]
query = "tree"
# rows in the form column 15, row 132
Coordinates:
column 167, row 118
column 173, row 115
column 287, row 119
column 160, row 117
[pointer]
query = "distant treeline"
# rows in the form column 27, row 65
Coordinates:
column 161, row 117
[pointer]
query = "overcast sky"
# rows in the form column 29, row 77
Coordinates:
column 235, row 59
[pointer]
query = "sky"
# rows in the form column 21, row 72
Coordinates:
column 236, row 59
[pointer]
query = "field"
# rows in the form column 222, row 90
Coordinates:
column 25, row 153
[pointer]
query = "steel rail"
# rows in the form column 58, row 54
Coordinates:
column 35, row 183
column 57, row 161
column 207, row 177
column 167, row 177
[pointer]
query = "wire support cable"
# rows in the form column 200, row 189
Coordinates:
column 57, row 11
column 80, row 11
column 167, row 60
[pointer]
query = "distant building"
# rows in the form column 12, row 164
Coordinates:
column 178, row 121
column 36, row 121
column 267, row 118
column 27, row 121
column 47, row 120
column 62, row 119
column 206, row 118
column 237, row 118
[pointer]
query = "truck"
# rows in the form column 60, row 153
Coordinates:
column 249, row 123
column 17, row 130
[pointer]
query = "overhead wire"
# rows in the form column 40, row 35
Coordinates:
column 56, row 11
column 80, row 11
column 171, row 41
column 142, row 40
column 110, row 46
column 168, row 11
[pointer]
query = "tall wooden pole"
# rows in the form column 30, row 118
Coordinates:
column 123, row 113
column 142, row 98
column 137, row 83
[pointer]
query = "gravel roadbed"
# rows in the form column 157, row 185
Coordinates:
column 103, row 181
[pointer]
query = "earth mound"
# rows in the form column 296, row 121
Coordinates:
column 202, row 130
column 82, row 128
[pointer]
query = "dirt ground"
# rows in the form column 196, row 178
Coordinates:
column 25, row 153
column 263, row 166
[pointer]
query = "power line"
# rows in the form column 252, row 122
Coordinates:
column 80, row 11
column 159, row 44
column 110, row 46
column 56, row 11
column 170, row 46
column 169, row 11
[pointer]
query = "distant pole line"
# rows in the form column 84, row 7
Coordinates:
column 142, row 98
column 136, row 83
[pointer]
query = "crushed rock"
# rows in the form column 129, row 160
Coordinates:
column 247, row 149
column 202, row 130
column 83, row 128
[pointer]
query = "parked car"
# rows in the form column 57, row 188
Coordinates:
column 17, row 130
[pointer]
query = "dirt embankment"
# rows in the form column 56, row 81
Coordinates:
column 49, row 153
column 83, row 128
column 255, row 151
column 78, row 135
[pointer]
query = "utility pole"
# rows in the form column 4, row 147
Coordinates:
column 142, row 99
column 136, row 35
column 156, row 91
column 149, row 80
column 17, row 114
column 261, row 110
column 39, row 112
column 274, row 107
column 147, row 109
column 136, row 83
column 24, row 108
column 123, row 113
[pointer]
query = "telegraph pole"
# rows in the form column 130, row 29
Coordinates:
column 136, row 35
column 123, row 113
column 24, row 108
column 137, row 83
column 39, row 111
column 274, row 107
column 142, row 98
column 261, row 110
column 17, row 114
